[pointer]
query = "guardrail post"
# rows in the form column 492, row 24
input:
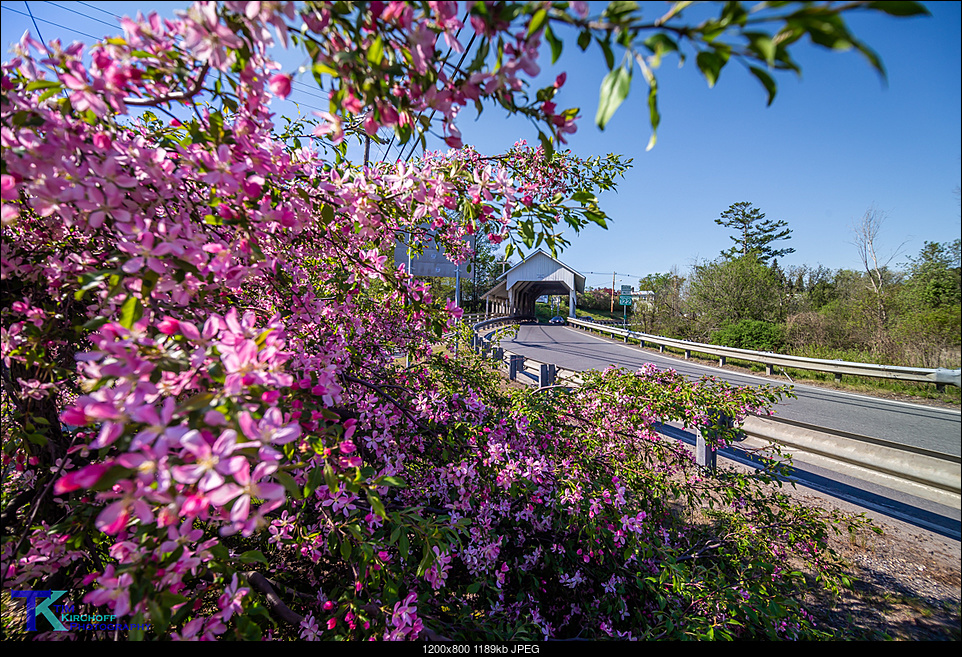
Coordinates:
column 721, row 361
column 498, row 354
column 705, row 452
column 547, row 375
column 515, row 365
column 769, row 369
column 687, row 354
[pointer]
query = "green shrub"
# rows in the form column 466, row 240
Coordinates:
column 750, row 334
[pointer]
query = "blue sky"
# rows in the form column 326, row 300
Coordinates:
column 834, row 143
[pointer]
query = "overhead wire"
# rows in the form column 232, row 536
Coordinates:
column 43, row 20
column 74, row 11
column 87, row 4
column 433, row 112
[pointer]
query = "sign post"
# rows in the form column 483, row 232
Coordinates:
column 625, row 300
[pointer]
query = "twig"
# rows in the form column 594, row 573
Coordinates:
column 176, row 96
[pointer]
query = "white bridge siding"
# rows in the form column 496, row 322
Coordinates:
column 537, row 275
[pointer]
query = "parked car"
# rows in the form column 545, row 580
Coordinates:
column 558, row 319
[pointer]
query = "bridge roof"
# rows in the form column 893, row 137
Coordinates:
column 552, row 275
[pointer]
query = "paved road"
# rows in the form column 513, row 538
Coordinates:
column 931, row 428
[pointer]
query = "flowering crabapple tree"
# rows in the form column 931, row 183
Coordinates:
column 205, row 432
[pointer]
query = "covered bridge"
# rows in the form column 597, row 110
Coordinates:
column 538, row 275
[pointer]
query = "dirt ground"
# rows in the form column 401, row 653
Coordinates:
column 906, row 581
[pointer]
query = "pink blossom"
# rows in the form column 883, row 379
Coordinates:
column 281, row 85
column 83, row 478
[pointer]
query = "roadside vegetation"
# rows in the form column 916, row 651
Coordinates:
column 904, row 311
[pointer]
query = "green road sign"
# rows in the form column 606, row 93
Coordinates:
column 624, row 299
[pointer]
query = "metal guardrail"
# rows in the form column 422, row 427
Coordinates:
column 923, row 473
column 940, row 376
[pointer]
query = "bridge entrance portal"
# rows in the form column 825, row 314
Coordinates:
column 538, row 275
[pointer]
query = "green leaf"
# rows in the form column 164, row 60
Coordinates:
column 619, row 8
column 555, row 43
column 596, row 217
column 376, row 505
column 253, row 556
column 710, row 65
column 131, row 311
column 526, row 230
column 763, row 45
column 158, row 616
column 537, row 21
column 376, row 52
column 900, row 8
column 584, row 39
column 196, row 403
column 872, row 57
column 655, row 116
column 329, row 478
column 220, row 552
column 614, row 90
column 289, row 484
column 37, row 439
column 766, row 80
column 95, row 323
column 546, row 144
column 314, row 480
column 659, row 44
column 320, row 69
column 49, row 93
column 426, row 560
column 43, row 84
column 606, row 50
column 136, row 631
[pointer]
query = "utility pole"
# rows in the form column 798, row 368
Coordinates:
column 612, row 292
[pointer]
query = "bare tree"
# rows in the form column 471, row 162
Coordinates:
column 866, row 232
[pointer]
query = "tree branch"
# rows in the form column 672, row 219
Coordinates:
column 173, row 97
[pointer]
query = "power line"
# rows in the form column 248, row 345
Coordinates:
column 42, row 20
column 87, row 4
column 74, row 11
column 35, row 26
column 612, row 273
column 414, row 140
column 307, row 86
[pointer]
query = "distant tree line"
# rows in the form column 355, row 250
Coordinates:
column 909, row 314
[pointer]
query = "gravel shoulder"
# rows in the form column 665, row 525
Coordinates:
column 906, row 580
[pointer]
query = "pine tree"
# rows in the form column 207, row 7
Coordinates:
column 754, row 233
